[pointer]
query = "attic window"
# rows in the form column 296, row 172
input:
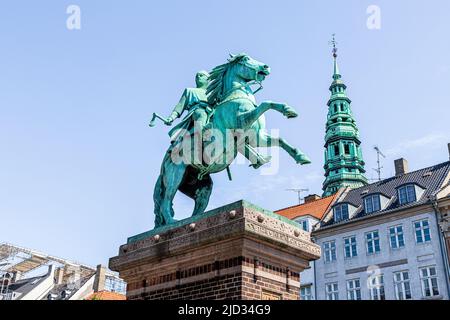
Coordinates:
column 407, row 194
column 341, row 212
column 365, row 192
column 372, row 203
column 427, row 174
column 304, row 224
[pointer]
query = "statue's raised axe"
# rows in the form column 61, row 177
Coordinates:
column 157, row 116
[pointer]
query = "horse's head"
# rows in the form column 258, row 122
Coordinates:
column 249, row 69
column 241, row 69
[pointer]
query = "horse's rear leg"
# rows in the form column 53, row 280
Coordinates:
column 202, row 195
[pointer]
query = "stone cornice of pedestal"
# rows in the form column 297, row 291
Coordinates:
column 240, row 219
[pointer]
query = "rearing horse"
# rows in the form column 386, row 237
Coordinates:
column 230, row 95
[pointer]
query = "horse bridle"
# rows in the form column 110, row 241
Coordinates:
column 248, row 84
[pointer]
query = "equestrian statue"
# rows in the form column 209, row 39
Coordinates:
column 222, row 120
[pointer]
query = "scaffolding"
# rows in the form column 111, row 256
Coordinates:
column 16, row 262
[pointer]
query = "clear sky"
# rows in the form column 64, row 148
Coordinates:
column 78, row 161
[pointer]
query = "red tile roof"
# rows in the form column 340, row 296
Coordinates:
column 316, row 208
column 106, row 295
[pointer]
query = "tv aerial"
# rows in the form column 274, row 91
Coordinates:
column 299, row 193
column 379, row 166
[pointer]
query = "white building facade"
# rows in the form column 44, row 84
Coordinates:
column 383, row 258
column 307, row 288
column 383, row 241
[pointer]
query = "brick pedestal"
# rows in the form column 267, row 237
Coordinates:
column 235, row 252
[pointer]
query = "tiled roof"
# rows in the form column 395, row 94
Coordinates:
column 315, row 209
column 106, row 295
column 431, row 179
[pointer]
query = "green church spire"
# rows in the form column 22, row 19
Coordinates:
column 344, row 164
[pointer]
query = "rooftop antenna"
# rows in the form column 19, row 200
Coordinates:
column 379, row 167
column 299, row 193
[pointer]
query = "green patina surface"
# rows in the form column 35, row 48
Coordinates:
column 227, row 208
column 224, row 100
column 344, row 164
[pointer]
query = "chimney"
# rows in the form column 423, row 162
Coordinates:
column 100, row 278
column 312, row 198
column 59, row 275
column 401, row 167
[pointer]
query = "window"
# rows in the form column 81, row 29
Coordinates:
column 376, row 287
column 332, row 291
column 305, row 293
column 336, row 149
column 402, row 286
column 346, row 148
column 372, row 203
column 407, row 194
column 304, row 224
column 429, row 282
column 396, row 237
column 422, row 229
column 329, row 249
column 373, row 242
column 350, row 250
column 341, row 212
column 354, row 289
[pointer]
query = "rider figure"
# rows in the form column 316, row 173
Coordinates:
column 195, row 102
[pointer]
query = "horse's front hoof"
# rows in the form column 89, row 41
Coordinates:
column 302, row 159
column 289, row 112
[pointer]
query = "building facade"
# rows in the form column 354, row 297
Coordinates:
column 385, row 240
column 307, row 215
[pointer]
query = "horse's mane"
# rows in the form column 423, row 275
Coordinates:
column 217, row 77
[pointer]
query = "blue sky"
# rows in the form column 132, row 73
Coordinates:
column 78, row 161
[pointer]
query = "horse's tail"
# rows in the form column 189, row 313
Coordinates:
column 158, row 195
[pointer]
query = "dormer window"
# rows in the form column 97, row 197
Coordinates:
column 407, row 194
column 341, row 212
column 304, row 224
column 372, row 203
